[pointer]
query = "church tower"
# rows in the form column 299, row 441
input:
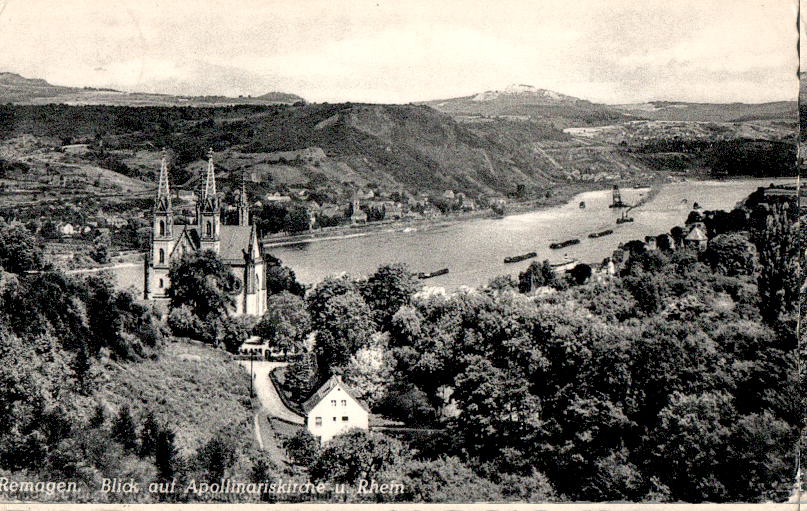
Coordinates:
column 208, row 211
column 162, row 236
column 243, row 202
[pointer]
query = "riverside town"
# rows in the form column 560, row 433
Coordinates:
column 395, row 253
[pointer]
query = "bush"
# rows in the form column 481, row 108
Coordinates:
column 302, row 448
column 183, row 322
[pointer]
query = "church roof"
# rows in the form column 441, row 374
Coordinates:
column 323, row 391
column 235, row 239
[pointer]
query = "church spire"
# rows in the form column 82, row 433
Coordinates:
column 243, row 201
column 210, row 180
column 163, row 201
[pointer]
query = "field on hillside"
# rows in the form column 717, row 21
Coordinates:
column 195, row 389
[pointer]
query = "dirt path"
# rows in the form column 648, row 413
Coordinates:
column 265, row 390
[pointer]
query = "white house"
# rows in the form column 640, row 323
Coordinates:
column 334, row 409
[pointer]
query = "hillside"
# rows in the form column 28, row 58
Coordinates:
column 196, row 389
column 710, row 112
column 525, row 101
column 31, row 91
column 334, row 146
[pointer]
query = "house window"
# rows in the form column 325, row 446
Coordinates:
column 209, row 228
column 334, row 419
column 333, row 402
column 318, row 421
column 162, row 228
column 162, row 256
column 161, row 283
column 344, row 418
column 344, row 402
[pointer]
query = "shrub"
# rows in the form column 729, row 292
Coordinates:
column 302, row 448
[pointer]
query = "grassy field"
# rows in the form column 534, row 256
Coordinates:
column 195, row 389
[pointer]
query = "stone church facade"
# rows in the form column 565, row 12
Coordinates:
column 237, row 245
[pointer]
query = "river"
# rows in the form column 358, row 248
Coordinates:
column 474, row 250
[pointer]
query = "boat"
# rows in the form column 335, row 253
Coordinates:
column 563, row 244
column 617, row 201
column 601, row 233
column 624, row 218
column 582, row 205
column 429, row 275
column 519, row 258
column 569, row 263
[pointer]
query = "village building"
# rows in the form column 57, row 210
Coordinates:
column 334, row 409
column 358, row 216
column 696, row 238
column 65, row 228
column 276, row 197
column 237, row 245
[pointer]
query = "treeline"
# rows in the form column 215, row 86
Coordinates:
column 735, row 157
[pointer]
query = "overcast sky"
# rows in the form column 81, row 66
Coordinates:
column 408, row 50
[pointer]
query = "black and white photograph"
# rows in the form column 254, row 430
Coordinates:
column 430, row 252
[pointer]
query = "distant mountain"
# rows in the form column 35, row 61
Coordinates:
column 20, row 90
column 531, row 102
column 711, row 112
column 526, row 101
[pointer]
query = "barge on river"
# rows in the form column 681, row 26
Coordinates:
column 429, row 275
column 564, row 244
column 519, row 258
column 601, row 233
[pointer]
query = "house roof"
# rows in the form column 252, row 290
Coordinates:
column 323, row 391
column 696, row 234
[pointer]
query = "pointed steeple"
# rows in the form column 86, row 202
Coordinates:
column 163, row 201
column 243, row 201
column 210, row 181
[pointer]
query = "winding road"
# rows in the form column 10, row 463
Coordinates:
column 265, row 390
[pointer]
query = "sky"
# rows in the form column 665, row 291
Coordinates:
column 614, row 51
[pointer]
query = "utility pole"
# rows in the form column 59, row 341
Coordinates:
column 251, row 374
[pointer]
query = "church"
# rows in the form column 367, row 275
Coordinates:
column 236, row 245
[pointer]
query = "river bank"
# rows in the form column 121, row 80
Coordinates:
column 558, row 197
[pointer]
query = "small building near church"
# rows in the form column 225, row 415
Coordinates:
column 696, row 238
column 334, row 409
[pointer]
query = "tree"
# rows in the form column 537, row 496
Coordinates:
column 234, row 332
column 124, row 430
column 301, row 377
column 262, row 471
column 149, row 434
column 281, row 278
column 302, row 448
column 537, row 275
column 19, row 251
column 445, row 479
column 581, row 273
column 203, row 282
column 358, row 455
column 692, row 438
column 286, row 323
column 731, row 254
column 370, row 370
column 344, row 326
column 100, row 249
column 388, row 289
column 217, row 456
column 777, row 244
column 166, row 455
column 297, row 220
